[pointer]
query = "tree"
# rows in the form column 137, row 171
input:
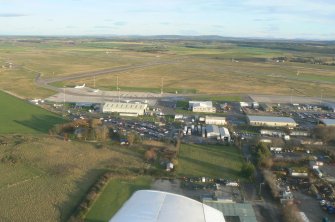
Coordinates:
column 248, row 170
column 325, row 133
column 133, row 138
column 150, row 154
column 270, row 179
column 263, row 156
column 291, row 213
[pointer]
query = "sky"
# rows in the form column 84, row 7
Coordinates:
column 288, row 19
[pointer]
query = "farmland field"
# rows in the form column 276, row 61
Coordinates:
column 210, row 161
column 117, row 191
column 18, row 116
column 205, row 67
column 44, row 179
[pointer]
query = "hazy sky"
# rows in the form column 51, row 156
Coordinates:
column 309, row 19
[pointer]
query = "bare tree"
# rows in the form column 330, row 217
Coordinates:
column 291, row 213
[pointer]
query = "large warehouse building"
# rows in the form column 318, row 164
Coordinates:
column 272, row 121
column 125, row 109
column 328, row 122
column 202, row 106
column 217, row 120
column 158, row 206
column 219, row 133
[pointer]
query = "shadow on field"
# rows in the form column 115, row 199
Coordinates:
column 41, row 123
column 83, row 185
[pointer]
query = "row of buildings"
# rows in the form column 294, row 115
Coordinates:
column 138, row 109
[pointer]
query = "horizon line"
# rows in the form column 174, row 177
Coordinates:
column 158, row 36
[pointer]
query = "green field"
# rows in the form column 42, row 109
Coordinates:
column 117, row 191
column 18, row 116
column 210, row 161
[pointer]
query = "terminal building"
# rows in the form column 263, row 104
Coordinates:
column 217, row 120
column 272, row 121
column 158, row 206
column 125, row 109
column 202, row 106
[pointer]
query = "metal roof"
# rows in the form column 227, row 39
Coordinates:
column 224, row 131
column 212, row 129
column 215, row 118
column 272, row 119
column 328, row 122
column 201, row 103
column 244, row 211
column 158, row 206
column 125, row 105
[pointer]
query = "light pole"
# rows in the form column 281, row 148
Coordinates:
column 64, row 100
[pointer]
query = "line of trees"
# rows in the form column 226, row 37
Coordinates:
column 264, row 159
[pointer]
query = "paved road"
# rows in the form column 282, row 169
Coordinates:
column 46, row 82
column 266, row 209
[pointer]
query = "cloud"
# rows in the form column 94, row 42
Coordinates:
column 8, row 15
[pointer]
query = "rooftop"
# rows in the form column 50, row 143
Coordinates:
column 271, row 119
column 113, row 105
column 201, row 103
column 215, row 117
column 243, row 211
column 158, row 206
column 212, row 128
column 328, row 122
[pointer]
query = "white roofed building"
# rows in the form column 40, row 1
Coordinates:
column 272, row 121
column 158, row 206
column 125, row 109
column 202, row 106
column 212, row 131
column 224, row 133
column 217, row 120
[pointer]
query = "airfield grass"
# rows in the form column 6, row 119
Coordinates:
column 117, row 191
column 210, row 77
column 207, row 68
column 19, row 116
column 216, row 161
column 44, row 179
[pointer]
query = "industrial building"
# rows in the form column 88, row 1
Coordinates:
column 328, row 122
column 273, row 121
column 234, row 211
column 158, row 206
column 219, row 133
column 224, row 134
column 216, row 120
column 331, row 106
column 202, row 106
column 212, row 131
column 125, row 109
